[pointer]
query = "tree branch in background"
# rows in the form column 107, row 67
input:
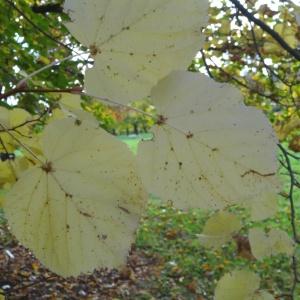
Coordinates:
column 293, row 184
column 242, row 84
column 268, row 68
column 295, row 53
column 19, row 90
column 206, row 65
column 47, row 8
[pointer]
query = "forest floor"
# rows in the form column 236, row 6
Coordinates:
column 166, row 262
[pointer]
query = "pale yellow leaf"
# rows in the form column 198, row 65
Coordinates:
column 274, row 242
column 238, row 285
column 17, row 119
column 80, row 208
column 212, row 151
column 136, row 42
column 219, row 229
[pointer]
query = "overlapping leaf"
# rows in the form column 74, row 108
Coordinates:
column 273, row 243
column 208, row 149
column 219, row 229
column 79, row 208
column 240, row 285
column 136, row 42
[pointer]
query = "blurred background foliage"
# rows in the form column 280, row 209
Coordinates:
column 32, row 35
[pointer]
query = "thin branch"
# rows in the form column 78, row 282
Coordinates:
column 9, row 162
column 26, row 122
column 206, row 65
column 54, row 63
column 114, row 102
column 20, row 143
column 295, row 53
column 268, row 68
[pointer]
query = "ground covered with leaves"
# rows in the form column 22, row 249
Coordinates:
column 166, row 262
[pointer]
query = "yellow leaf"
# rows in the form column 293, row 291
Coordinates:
column 148, row 41
column 274, row 242
column 219, row 229
column 238, row 285
column 78, row 209
column 208, row 149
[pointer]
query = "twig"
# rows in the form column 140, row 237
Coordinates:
column 15, row 91
column 295, row 53
column 268, row 68
column 240, row 83
column 114, row 102
column 9, row 162
column 206, row 65
column 293, row 216
column 26, row 122
column 54, row 63
column 289, row 167
column 20, row 143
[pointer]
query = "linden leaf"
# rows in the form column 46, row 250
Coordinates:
column 208, row 149
column 80, row 208
column 273, row 243
column 238, row 285
column 219, row 229
column 136, row 42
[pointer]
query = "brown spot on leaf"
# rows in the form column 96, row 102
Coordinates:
column 125, row 210
column 94, row 50
column 189, row 135
column 78, row 122
column 161, row 120
column 47, row 167
column 257, row 173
